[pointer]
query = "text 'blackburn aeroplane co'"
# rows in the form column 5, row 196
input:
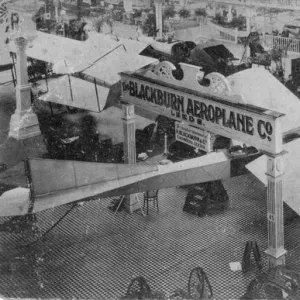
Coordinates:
column 47, row 183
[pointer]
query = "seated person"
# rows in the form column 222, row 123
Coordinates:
column 221, row 65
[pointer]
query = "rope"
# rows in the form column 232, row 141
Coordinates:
column 70, row 88
column 100, row 58
column 97, row 94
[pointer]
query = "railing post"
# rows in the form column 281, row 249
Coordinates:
column 201, row 27
column 236, row 36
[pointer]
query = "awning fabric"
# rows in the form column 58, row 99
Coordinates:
column 291, row 168
column 76, row 93
column 259, row 87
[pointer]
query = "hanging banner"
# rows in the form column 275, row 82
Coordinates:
column 279, row 4
column 216, row 114
column 192, row 136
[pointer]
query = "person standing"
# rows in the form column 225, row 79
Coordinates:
column 290, row 84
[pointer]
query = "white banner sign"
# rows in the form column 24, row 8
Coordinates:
column 280, row 4
column 249, row 124
column 192, row 136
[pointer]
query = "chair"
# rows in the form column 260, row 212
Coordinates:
column 151, row 196
column 6, row 68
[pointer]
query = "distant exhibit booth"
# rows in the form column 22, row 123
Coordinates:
column 216, row 110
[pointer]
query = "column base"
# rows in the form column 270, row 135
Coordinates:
column 24, row 125
column 276, row 257
column 132, row 204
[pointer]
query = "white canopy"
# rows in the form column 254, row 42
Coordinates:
column 259, row 87
column 291, row 186
column 75, row 92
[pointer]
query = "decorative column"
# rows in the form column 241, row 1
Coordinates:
column 214, row 7
column 159, row 20
column 248, row 26
column 229, row 16
column 248, row 19
column 55, row 2
column 63, row 20
column 275, row 251
column 24, row 122
column 129, row 149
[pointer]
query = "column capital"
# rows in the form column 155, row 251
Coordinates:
column 128, row 111
column 275, row 166
column 21, row 44
column 275, row 218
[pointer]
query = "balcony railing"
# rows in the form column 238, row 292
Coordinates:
column 220, row 33
column 227, row 37
column 288, row 44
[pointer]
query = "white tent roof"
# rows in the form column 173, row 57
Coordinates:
column 83, row 95
column 119, row 60
column 291, row 186
column 259, row 87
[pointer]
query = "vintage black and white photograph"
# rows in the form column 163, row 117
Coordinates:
column 150, row 149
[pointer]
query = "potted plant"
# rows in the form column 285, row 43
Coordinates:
column 101, row 21
column 169, row 12
column 184, row 13
column 200, row 14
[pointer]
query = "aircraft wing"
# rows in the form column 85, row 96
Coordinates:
column 76, row 54
column 58, row 182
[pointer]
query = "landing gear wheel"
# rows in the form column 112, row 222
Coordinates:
column 199, row 286
column 138, row 288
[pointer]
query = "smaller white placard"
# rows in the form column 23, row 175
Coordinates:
column 192, row 136
column 235, row 266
